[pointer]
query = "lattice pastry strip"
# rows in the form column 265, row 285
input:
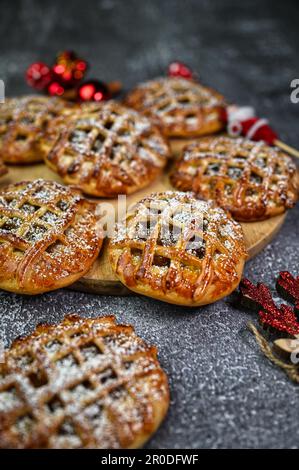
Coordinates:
column 250, row 179
column 23, row 122
column 179, row 107
column 107, row 150
column 178, row 249
column 82, row 383
column 49, row 236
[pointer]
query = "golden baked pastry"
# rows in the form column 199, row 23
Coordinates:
column 249, row 179
column 178, row 249
column 3, row 168
column 23, row 122
column 49, row 236
column 108, row 151
column 85, row 383
column 57, row 126
column 180, row 107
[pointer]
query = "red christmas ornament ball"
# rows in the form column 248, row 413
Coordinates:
column 178, row 69
column 93, row 90
column 56, row 89
column 69, row 69
column 38, row 75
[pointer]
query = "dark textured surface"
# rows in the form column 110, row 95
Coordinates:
column 224, row 392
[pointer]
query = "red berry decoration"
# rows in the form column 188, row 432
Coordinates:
column 65, row 79
column 38, row 75
column 93, row 90
column 178, row 69
column 69, row 69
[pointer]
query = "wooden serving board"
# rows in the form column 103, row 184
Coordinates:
column 100, row 279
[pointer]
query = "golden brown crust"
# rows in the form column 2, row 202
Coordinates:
column 49, row 236
column 180, row 107
column 108, row 150
column 178, row 249
column 23, row 122
column 58, row 125
column 3, row 168
column 85, row 383
column 249, row 179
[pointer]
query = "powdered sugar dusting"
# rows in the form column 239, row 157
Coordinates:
column 88, row 371
column 172, row 235
column 108, row 144
column 52, row 218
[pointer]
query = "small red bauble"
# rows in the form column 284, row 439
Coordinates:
column 38, row 75
column 55, row 89
column 178, row 69
column 69, row 69
column 93, row 90
column 64, row 78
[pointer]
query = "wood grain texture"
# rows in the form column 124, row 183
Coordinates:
column 101, row 279
column 285, row 347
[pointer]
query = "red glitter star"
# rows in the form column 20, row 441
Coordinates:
column 288, row 288
column 259, row 298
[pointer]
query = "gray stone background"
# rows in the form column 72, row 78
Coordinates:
column 224, row 393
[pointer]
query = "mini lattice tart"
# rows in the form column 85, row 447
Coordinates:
column 49, row 236
column 85, row 383
column 250, row 179
column 108, row 151
column 181, row 108
column 178, row 249
column 23, row 122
